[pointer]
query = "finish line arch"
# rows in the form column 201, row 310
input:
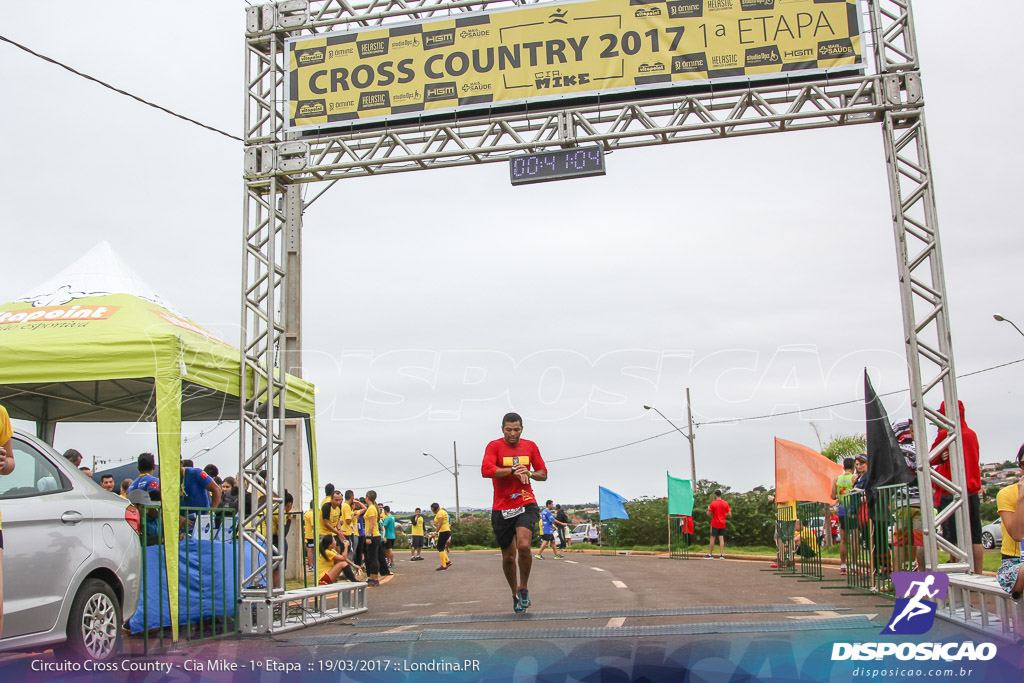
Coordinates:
column 279, row 161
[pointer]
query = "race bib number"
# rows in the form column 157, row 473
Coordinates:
column 509, row 514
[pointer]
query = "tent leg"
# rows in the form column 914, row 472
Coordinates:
column 46, row 431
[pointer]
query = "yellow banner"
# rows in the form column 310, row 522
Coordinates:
column 559, row 50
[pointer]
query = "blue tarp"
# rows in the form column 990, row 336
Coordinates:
column 206, row 583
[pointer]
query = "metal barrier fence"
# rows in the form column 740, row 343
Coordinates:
column 813, row 523
column 680, row 537
column 607, row 541
column 208, row 577
column 858, row 541
column 880, row 537
column 785, row 539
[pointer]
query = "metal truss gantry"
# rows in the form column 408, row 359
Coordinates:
column 277, row 162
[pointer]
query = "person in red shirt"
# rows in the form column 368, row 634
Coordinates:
column 719, row 510
column 972, row 467
column 511, row 462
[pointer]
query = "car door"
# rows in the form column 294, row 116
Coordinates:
column 48, row 535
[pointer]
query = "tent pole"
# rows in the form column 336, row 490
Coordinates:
column 46, row 431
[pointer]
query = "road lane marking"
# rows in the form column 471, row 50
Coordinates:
column 597, row 569
column 615, row 622
column 571, row 562
column 418, row 604
column 619, row 584
column 467, row 602
column 817, row 615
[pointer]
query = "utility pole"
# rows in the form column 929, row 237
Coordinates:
column 693, row 459
column 455, row 454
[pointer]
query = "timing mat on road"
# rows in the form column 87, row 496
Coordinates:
column 590, row 614
column 826, row 624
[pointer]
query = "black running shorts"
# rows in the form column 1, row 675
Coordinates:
column 505, row 529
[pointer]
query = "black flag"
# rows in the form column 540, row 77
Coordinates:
column 886, row 463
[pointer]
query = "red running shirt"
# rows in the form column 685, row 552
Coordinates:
column 509, row 492
column 718, row 509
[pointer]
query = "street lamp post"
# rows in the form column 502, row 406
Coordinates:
column 689, row 437
column 455, row 473
column 1001, row 319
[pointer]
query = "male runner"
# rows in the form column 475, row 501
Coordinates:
column 547, row 531
column 511, row 462
column 841, row 485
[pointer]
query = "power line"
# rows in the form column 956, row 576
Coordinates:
column 117, row 90
column 709, row 422
column 205, row 452
column 845, row 403
column 613, row 448
column 404, row 481
column 771, row 415
column 202, row 433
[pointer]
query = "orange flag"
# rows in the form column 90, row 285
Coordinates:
column 802, row 473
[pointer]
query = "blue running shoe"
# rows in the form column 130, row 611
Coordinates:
column 524, row 598
column 515, row 605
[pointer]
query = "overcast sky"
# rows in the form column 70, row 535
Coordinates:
column 759, row 272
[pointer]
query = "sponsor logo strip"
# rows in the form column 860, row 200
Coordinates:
column 57, row 313
column 545, row 52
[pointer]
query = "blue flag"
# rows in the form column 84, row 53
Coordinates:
column 611, row 504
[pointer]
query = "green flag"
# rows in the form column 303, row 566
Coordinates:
column 680, row 496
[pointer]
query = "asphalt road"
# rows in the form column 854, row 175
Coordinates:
column 634, row 616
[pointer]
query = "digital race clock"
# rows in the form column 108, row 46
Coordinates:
column 578, row 162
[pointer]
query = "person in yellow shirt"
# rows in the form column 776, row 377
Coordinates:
column 330, row 563
column 371, row 521
column 785, row 529
column 416, row 536
column 806, row 541
column 350, row 509
column 6, row 467
column 444, row 534
column 1010, row 504
column 308, row 537
column 330, row 513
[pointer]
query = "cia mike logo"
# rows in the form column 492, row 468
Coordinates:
column 914, row 613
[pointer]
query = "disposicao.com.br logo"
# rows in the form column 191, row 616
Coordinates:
column 914, row 614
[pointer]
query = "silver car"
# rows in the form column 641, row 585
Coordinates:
column 579, row 534
column 72, row 557
column 992, row 535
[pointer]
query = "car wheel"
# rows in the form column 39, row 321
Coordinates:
column 988, row 541
column 94, row 624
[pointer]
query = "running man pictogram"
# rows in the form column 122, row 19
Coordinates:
column 915, row 606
